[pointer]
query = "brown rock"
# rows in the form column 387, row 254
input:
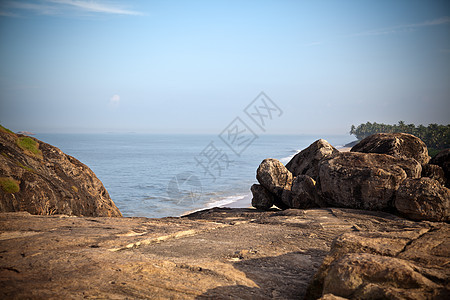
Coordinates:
column 307, row 161
column 396, row 144
column 423, row 199
column 274, row 176
column 262, row 198
column 49, row 181
column 442, row 159
column 364, row 180
column 352, row 273
column 434, row 172
column 303, row 193
column 212, row 254
column 396, row 264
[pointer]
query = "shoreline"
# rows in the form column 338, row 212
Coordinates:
column 246, row 200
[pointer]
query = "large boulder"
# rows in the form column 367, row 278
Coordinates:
column 307, row 161
column 401, row 145
column 303, row 193
column 442, row 159
column 434, row 172
column 364, row 180
column 262, row 198
column 274, row 176
column 40, row 179
column 406, row 262
column 423, row 199
column 368, row 276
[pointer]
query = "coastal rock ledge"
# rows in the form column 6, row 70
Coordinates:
column 225, row 254
column 40, row 179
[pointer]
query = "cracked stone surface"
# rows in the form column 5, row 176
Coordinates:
column 217, row 253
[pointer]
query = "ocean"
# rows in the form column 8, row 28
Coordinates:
column 160, row 175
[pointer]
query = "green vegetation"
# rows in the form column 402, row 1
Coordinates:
column 4, row 129
column 9, row 185
column 436, row 137
column 25, row 167
column 29, row 145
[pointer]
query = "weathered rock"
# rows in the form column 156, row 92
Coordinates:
column 364, row 180
column 307, row 161
column 401, row 145
column 46, row 181
column 262, row 198
column 423, row 199
column 434, row 172
column 352, row 274
column 212, row 254
column 408, row 264
column 274, row 176
column 442, row 159
column 303, row 193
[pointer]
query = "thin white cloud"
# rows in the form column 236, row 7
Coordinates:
column 95, row 6
column 60, row 7
column 402, row 28
column 390, row 30
column 40, row 8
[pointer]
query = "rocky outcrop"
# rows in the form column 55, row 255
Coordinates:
column 401, row 145
column 434, row 172
column 386, row 265
column 215, row 254
column 360, row 180
column 40, row 179
column 442, row 159
column 364, row 181
column 306, row 162
column 423, row 199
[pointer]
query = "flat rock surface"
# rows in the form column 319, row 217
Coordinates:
column 218, row 253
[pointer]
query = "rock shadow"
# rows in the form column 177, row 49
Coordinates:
column 285, row 276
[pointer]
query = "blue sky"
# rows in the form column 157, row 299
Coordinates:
column 193, row 66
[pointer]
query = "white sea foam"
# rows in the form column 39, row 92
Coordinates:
column 286, row 159
column 223, row 201
column 235, row 201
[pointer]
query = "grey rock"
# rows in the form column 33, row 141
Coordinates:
column 423, row 199
column 401, row 145
column 307, row 161
column 364, row 180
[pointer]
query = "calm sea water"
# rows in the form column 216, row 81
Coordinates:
column 167, row 175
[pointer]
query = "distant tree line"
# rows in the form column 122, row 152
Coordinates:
column 434, row 135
